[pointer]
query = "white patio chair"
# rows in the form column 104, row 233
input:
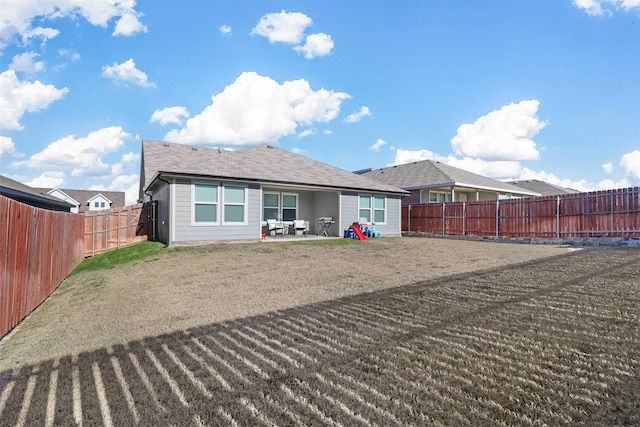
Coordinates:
column 300, row 226
column 275, row 227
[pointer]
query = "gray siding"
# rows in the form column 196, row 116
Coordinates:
column 350, row 214
column 186, row 232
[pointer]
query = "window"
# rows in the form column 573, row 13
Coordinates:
column 96, row 204
column 234, row 204
column 271, row 206
column 279, row 206
column 289, row 207
column 102, row 204
column 373, row 208
column 439, row 197
column 205, row 198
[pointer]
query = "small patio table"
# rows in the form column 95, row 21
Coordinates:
column 324, row 224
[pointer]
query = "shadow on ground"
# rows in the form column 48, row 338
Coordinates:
column 554, row 341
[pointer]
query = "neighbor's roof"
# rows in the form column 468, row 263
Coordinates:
column 430, row 174
column 262, row 163
column 31, row 196
column 542, row 187
column 117, row 198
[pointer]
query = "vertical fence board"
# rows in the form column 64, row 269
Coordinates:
column 612, row 213
column 114, row 228
column 38, row 249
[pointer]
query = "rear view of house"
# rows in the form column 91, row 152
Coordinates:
column 206, row 194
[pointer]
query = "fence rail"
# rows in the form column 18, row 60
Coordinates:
column 115, row 228
column 38, row 249
column 612, row 213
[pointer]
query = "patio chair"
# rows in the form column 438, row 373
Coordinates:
column 300, row 227
column 275, row 227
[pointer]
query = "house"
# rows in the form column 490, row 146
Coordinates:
column 430, row 181
column 542, row 187
column 31, row 196
column 87, row 200
column 206, row 194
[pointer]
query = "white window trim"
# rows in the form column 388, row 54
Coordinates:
column 193, row 205
column 244, row 204
column 373, row 207
column 447, row 195
column 281, row 207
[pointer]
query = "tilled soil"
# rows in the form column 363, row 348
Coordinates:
column 499, row 334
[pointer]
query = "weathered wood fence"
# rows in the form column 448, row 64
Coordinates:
column 38, row 249
column 612, row 213
column 116, row 228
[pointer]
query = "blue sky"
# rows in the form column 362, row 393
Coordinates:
column 546, row 89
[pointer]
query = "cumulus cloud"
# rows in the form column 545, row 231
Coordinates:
column 225, row 30
column 630, row 162
column 256, row 108
column 606, row 7
column 18, row 17
column 49, row 179
column 18, row 97
column 493, row 168
column 504, row 134
column 8, row 148
column 306, row 133
column 290, row 28
column 408, row 156
column 126, row 183
column 357, row 116
column 315, row 45
column 126, row 73
column 82, row 155
column 129, row 24
column 26, row 63
column 169, row 115
column 376, row 146
column 284, row 27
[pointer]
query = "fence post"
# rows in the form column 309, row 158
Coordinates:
column 118, row 232
column 443, row 227
column 558, row 217
column 409, row 218
column 464, row 218
column 498, row 217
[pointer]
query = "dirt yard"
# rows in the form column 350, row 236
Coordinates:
column 384, row 332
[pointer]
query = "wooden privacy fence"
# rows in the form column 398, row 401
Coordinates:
column 612, row 213
column 117, row 227
column 38, row 249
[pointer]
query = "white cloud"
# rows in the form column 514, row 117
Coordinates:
column 376, row 146
column 306, row 133
column 357, row 116
column 71, row 54
column 126, row 183
column 297, row 150
column 285, row 27
column 8, row 148
column 256, row 108
column 168, row 115
column 408, row 156
column 606, row 7
column 607, row 167
column 82, row 155
column 18, row 16
column 26, row 63
column 315, row 45
column 50, row 179
column 126, row 73
column 493, row 169
column 18, row 97
column 225, row 30
column 630, row 162
column 501, row 134
column 129, row 24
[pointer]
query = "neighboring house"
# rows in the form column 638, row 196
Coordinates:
column 87, row 200
column 206, row 194
column 31, row 196
column 542, row 187
column 430, row 181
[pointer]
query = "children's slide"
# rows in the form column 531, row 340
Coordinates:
column 359, row 235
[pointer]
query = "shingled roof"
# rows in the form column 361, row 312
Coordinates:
column 542, row 187
column 262, row 163
column 117, row 198
column 430, row 174
column 31, row 196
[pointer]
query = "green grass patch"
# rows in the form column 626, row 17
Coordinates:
column 119, row 256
